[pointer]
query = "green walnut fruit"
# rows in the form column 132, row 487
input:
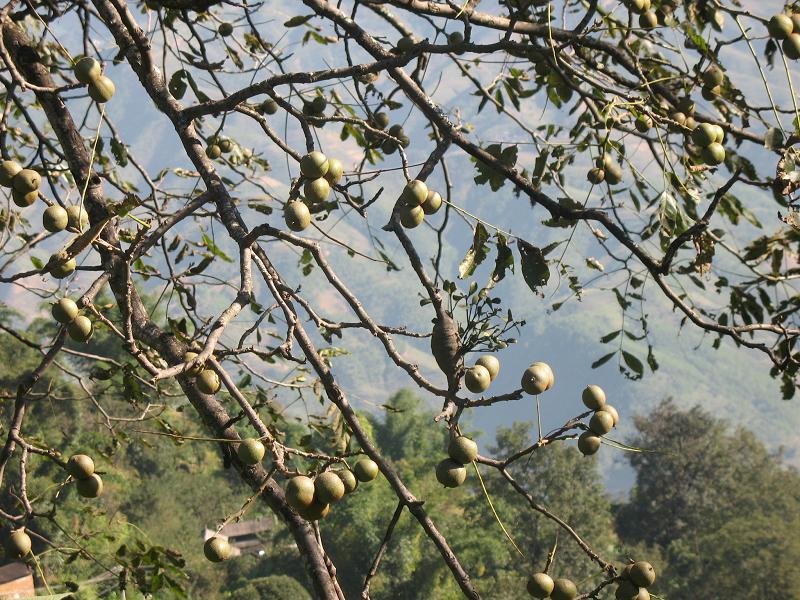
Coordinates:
column 348, row 479
column 207, row 381
column 365, row 470
column 335, row 171
column 63, row 268
column 314, row 165
column 477, row 379
column 593, row 397
column 563, row 589
column 613, row 174
column 217, row 549
column 540, row 585
column 433, row 202
column 91, row 487
column 627, row 591
column 643, row 574
column 780, row 26
column 55, row 218
column 328, row 487
column 455, row 38
column 648, row 20
column 80, row 329
column 315, row 511
column 791, row 46
column 316, row 190
column 102, row 89
column 318, row 105
column 300, row 492
column 704, row 134
column 450, row 473
column 405, row 44
column 64, row 311
column 268, row 107
column 613, row 412
column 24, row 200
column 193, row 371
column 710, row 93
column 80, row 466
column 639, row 6
column 720, row 134
column 462, row 449
column 643, row 123
column 296, row 215
column 588, row 443
column 77, row 217
column 26, row 181
column 8, row 170
column 225, row 29
column 713, row 76
column 225, row 145
column 250, row 451
column 795, row 22
column 679, row 118
column 18, row 544
column 411, row 216
column 379, row 120
column 491, row 364
column 213, row 151
column 601, row 422
column 596, row 175
column 713, row 154
column 415, row 193
column 87, row 70
column 537, row 378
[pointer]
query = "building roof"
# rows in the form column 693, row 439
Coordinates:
column 13, row 571
column 233, row 530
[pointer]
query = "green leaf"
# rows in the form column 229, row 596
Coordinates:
column 487, row 174
column 504, row 260
column 476, row 254
column 298, row 20
column 602, row 360
column 534, row 266
column 634, row 364
column 37, row 262
column 214, row 249
column 773, row 139
column 120, row 152
column 177, row 86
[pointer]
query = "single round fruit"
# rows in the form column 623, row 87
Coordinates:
column 601, row 422
column 87, row 70
column 462, row 449
column 780, row 26
column 613, row 412
column 537, row 378
column 64, row 268
column 477, row 379
column 711, row 93
column 380, row 120
column 365, row 470
column 450, row 473
column 563, row 589
column 588, row 443
column 225, row 145
column 405, row 43
column 91, row 487
column 432, row 203
column 217, row 549
column 207, row 381
column 328, row 487
column 213, row 151
column 415, row 193
column 250, row 451
column 315, row 511
column 80, row 329
column 55, row 218
column 300, row 492
column 791, row 46
column 8, row 169
column 704, row 134
column 720, row 134
column 268, row 107
column 643, row 574
column 348, row 479
column 77, row 217
column 679, row 118
column 490, row 363
column 335, row 171
column 18, row 544
column 713, row 76
column 411, row 216
column 193, row 371
column 26, row 181
column 639, row 6
column 540, row 585
column 643, row 124
column 24, row 200
column 318, row 105
column 713, row 154
column 795, row 22
column 648, row 20
column 690, row 123
column 80, row 466
column 596, row 175
column 613, row 173
column 316, row 190
column 102, row 89
column 64, row 311
column 225, row 29
column 314, row 165
column 296, row 215
column 593, row 397
column 455, row 38
column 626, row 590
